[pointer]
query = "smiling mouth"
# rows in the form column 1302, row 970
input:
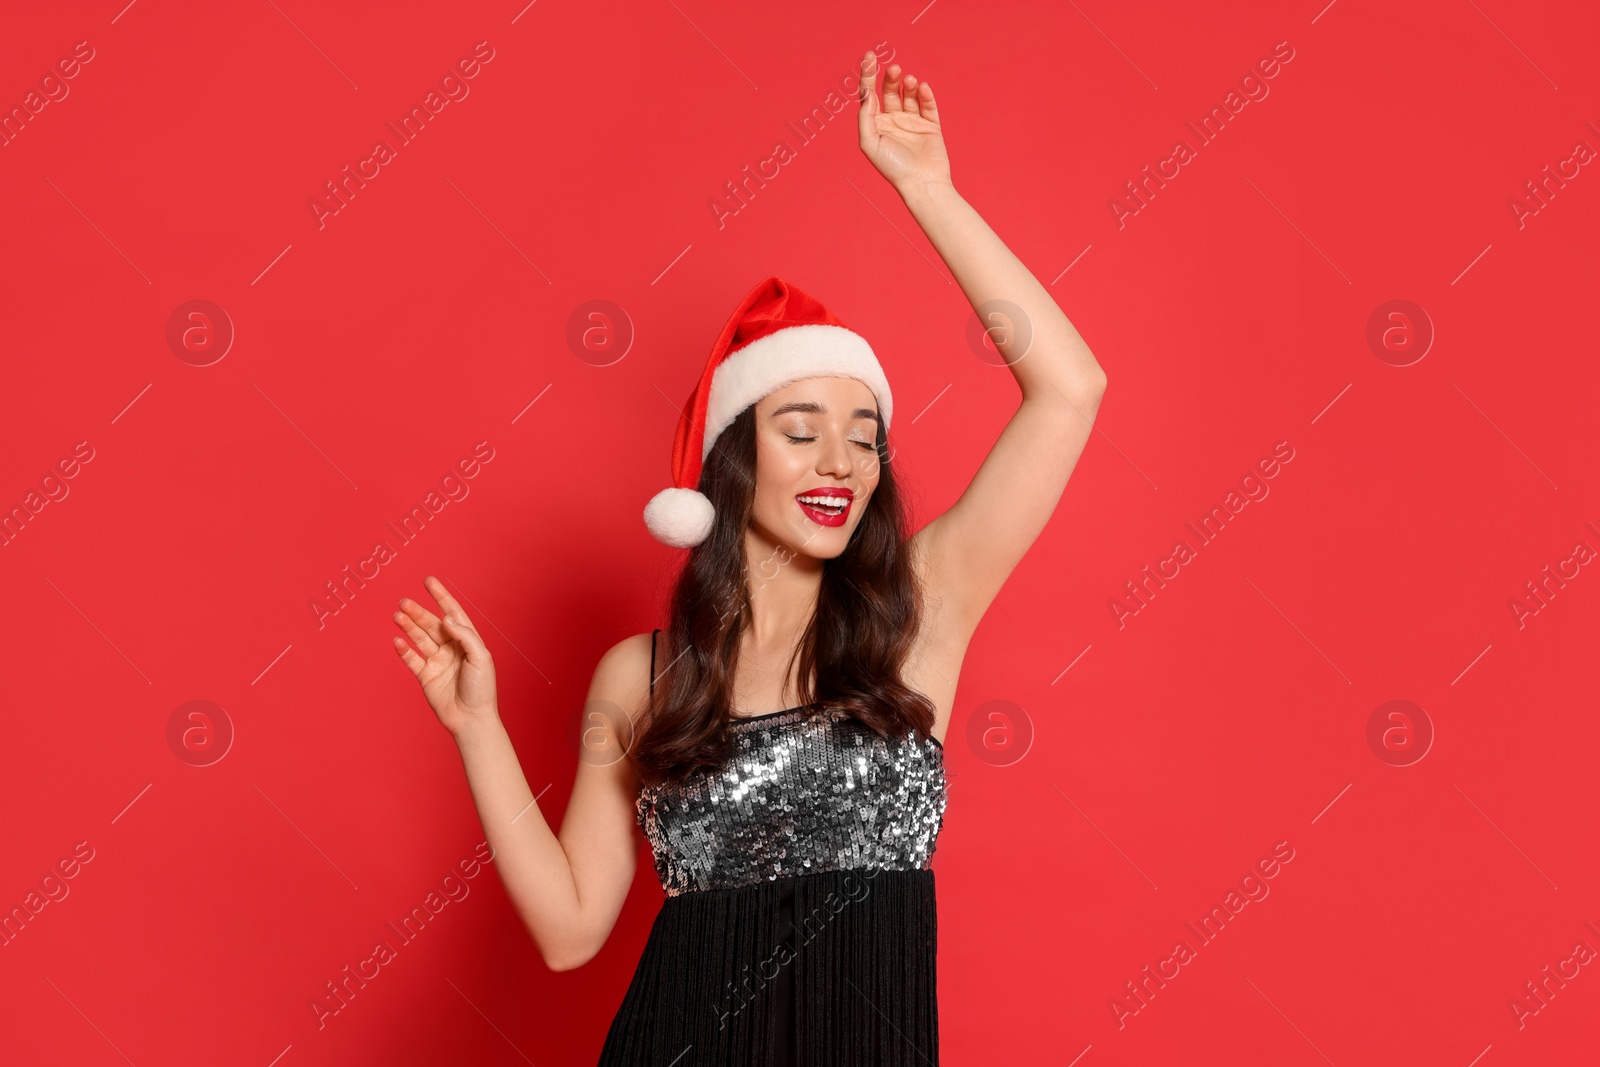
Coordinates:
column 826, row 510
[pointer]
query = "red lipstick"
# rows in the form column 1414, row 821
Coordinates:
column 826, row 506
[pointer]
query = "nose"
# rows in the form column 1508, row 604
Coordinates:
column 834, row 460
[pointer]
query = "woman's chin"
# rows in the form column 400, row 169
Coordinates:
column 805, row 540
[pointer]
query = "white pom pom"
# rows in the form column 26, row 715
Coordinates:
column 681, row 518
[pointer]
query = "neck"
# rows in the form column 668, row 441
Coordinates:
column 783, row 591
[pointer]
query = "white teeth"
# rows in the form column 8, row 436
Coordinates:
column 824, row 501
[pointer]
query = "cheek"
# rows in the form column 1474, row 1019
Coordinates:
column 771, row 501
column 779, row 470
column 775, row 477
column 863, row 501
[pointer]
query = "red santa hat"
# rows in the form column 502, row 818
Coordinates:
column 777, row 335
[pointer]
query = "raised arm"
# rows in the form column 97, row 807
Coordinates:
column 568, row 890
column 970, row 550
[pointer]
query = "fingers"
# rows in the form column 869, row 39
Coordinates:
column 867, row 94
column 892, row 87
column 901, row 91
column 442, row 595
column 426, row 640
column 916, row 98
column 420, row 625
column 409, row 657
column 457, row 626
column 429, row 632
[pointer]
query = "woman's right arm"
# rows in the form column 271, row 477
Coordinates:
column 568, row 890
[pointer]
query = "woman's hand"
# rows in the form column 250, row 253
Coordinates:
column 901, row 136
column 455, row 668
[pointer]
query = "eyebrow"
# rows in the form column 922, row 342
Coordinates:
column 814, row 408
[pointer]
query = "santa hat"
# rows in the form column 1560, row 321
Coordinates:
column 777, row 335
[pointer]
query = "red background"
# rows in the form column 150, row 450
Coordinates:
column 372, row 353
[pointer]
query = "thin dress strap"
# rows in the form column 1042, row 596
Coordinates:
column 653, row 660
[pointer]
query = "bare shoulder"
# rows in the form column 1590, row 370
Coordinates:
column 622, row 677
column 617, row 700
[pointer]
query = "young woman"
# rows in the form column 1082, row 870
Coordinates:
column 793, row 844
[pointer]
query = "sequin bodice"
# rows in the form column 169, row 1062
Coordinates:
column 799, row 796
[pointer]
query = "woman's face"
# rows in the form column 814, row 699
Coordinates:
column 816, row 464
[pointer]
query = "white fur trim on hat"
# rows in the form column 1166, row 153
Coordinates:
column 810, row 350
column 679, row 517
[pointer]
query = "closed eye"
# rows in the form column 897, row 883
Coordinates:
column 864, row 446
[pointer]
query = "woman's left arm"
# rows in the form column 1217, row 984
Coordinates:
column 972, row 548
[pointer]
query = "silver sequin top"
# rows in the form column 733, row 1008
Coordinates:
column 800, row 795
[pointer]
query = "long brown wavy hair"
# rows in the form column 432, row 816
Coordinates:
column 868, row 611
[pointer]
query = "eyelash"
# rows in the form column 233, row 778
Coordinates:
column 803, row 440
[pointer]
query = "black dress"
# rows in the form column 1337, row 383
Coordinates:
column 799, row 928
